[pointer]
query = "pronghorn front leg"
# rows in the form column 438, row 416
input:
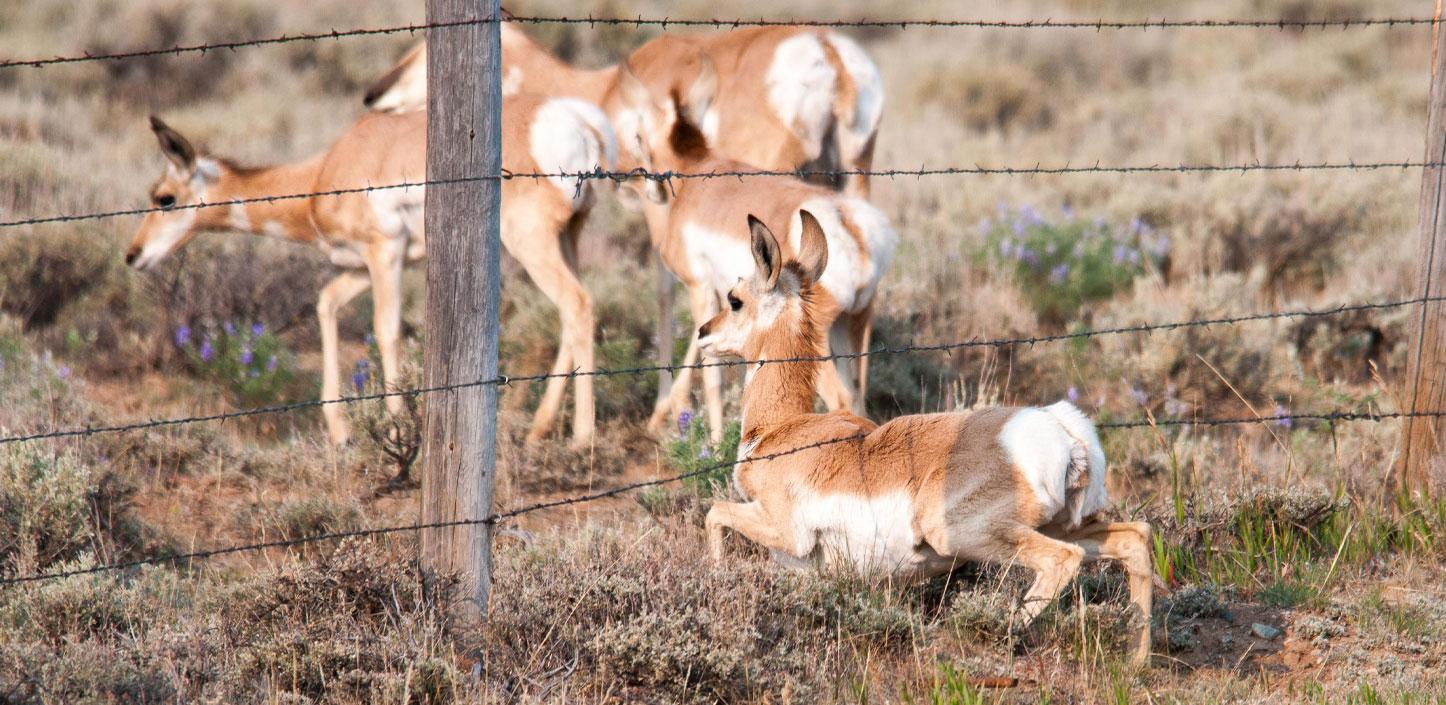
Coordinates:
column 337, row 293
column 701, row 306
column 749, row 520
column 384, row 262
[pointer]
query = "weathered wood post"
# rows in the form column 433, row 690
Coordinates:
column 464, row 141
column 1425, row 384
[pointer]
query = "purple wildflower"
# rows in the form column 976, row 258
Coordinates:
column 1067, row 212
column 705, row 454
column 685, row 419
column 1099, row 223
column 1018, row 227
column 247, row 356
column 207, row 350
column 1283, row 415
column 1059, row 273
column 370, row 339
column 1006, row 246
column 63, row 372
column 183, row 336
column 1073, row 395
column 359, row 380
column 1028, row 257
column 1176, row 408
column 1136, row 225
column 1134, row 257
column 253, row 374
column 257, row 330
column 272, row 363
column 229, row 327
column 1030, row 215
column 1121, row 254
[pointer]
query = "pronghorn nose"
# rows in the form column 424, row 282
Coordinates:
column 131, row 256
column 703, row 331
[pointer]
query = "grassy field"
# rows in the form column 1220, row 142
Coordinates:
column 1293, row 573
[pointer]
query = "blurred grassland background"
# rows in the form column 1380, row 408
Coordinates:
column 1351, row 578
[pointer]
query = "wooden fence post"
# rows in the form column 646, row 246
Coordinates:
column 1425, row 384
column 464, row 141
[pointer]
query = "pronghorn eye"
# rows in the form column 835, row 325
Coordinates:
column 734, row 302
column 166, row 201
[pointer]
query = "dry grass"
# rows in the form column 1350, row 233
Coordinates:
column 611, row 603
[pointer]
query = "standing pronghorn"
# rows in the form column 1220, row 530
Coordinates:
column 919, row 494
column 371, row 235
column 787, row 98
column 698, row 227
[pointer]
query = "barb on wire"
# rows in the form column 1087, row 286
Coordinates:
column 666, row 22
column 505, row 380
column 1330, row 416
column 381, row 531
column 669, row 176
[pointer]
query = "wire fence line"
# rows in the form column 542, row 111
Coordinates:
column 495, row 518
column 668, row 177
column 505, row 380
column 665, row 22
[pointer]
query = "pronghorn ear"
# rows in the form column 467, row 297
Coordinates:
column 634, row 92
column 766, row 256
column 390, row 79
column 177, row 148
column 700, row 95
column 813, row 248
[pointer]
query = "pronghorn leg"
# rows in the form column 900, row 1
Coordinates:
column 749, row 520
column 336, row 294
column 841, row 341
column 699, row 304
column 861, row 329
column 857, row 185
column 580, row 339
column 712, row 378
column 1128, row 543
column 1054, row 562
column 385, row 265
column 664, row 329
column 541, row 254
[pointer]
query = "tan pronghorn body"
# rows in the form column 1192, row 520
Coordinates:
column 373, row 234
column 699, row 228
column 787, row 98
column 918, row 495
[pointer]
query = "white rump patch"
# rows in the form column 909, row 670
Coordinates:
column 801, row 88
column 568, row 135
column 1040, row 449
column 852, row 275
column 872, row 534
column 1082, row 431
column 869, row 109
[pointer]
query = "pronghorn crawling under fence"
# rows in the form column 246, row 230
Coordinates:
column 699, row 228
column 787, row 98
column 919, row 494
column 371, row 235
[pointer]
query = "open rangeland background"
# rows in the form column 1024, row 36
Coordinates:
column 1293, row 573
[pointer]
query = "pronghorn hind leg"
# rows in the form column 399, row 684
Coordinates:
column 580, row 339
column 1128, row 543
column 384, row 263
column 1054, row 563
column 861, row 329
column 540, row 251
column 701, row 306
column 337, row 293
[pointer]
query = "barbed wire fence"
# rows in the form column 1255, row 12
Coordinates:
column 1329, row 416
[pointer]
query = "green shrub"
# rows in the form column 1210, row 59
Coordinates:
column 691, row 452
column 44, row 508
column 1065, row 264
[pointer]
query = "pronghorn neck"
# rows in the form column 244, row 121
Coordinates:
column 780, row 391
column 287, row 218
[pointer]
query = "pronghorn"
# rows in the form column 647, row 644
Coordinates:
column 371, row 235
column 698, row 228
column 920, row 494
column 788, row 97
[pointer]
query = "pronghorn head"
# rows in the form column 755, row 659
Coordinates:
column 775, row 302
column 188, row 176
column 658, row 122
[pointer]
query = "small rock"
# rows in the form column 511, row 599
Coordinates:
column 1264, row 631
column 1226, row 640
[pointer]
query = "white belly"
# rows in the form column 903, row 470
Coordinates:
column 871, row 535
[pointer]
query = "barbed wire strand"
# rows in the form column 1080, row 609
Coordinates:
column 669, row 176
column 1332, row 417
column 665, row 22
column 507, row 380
